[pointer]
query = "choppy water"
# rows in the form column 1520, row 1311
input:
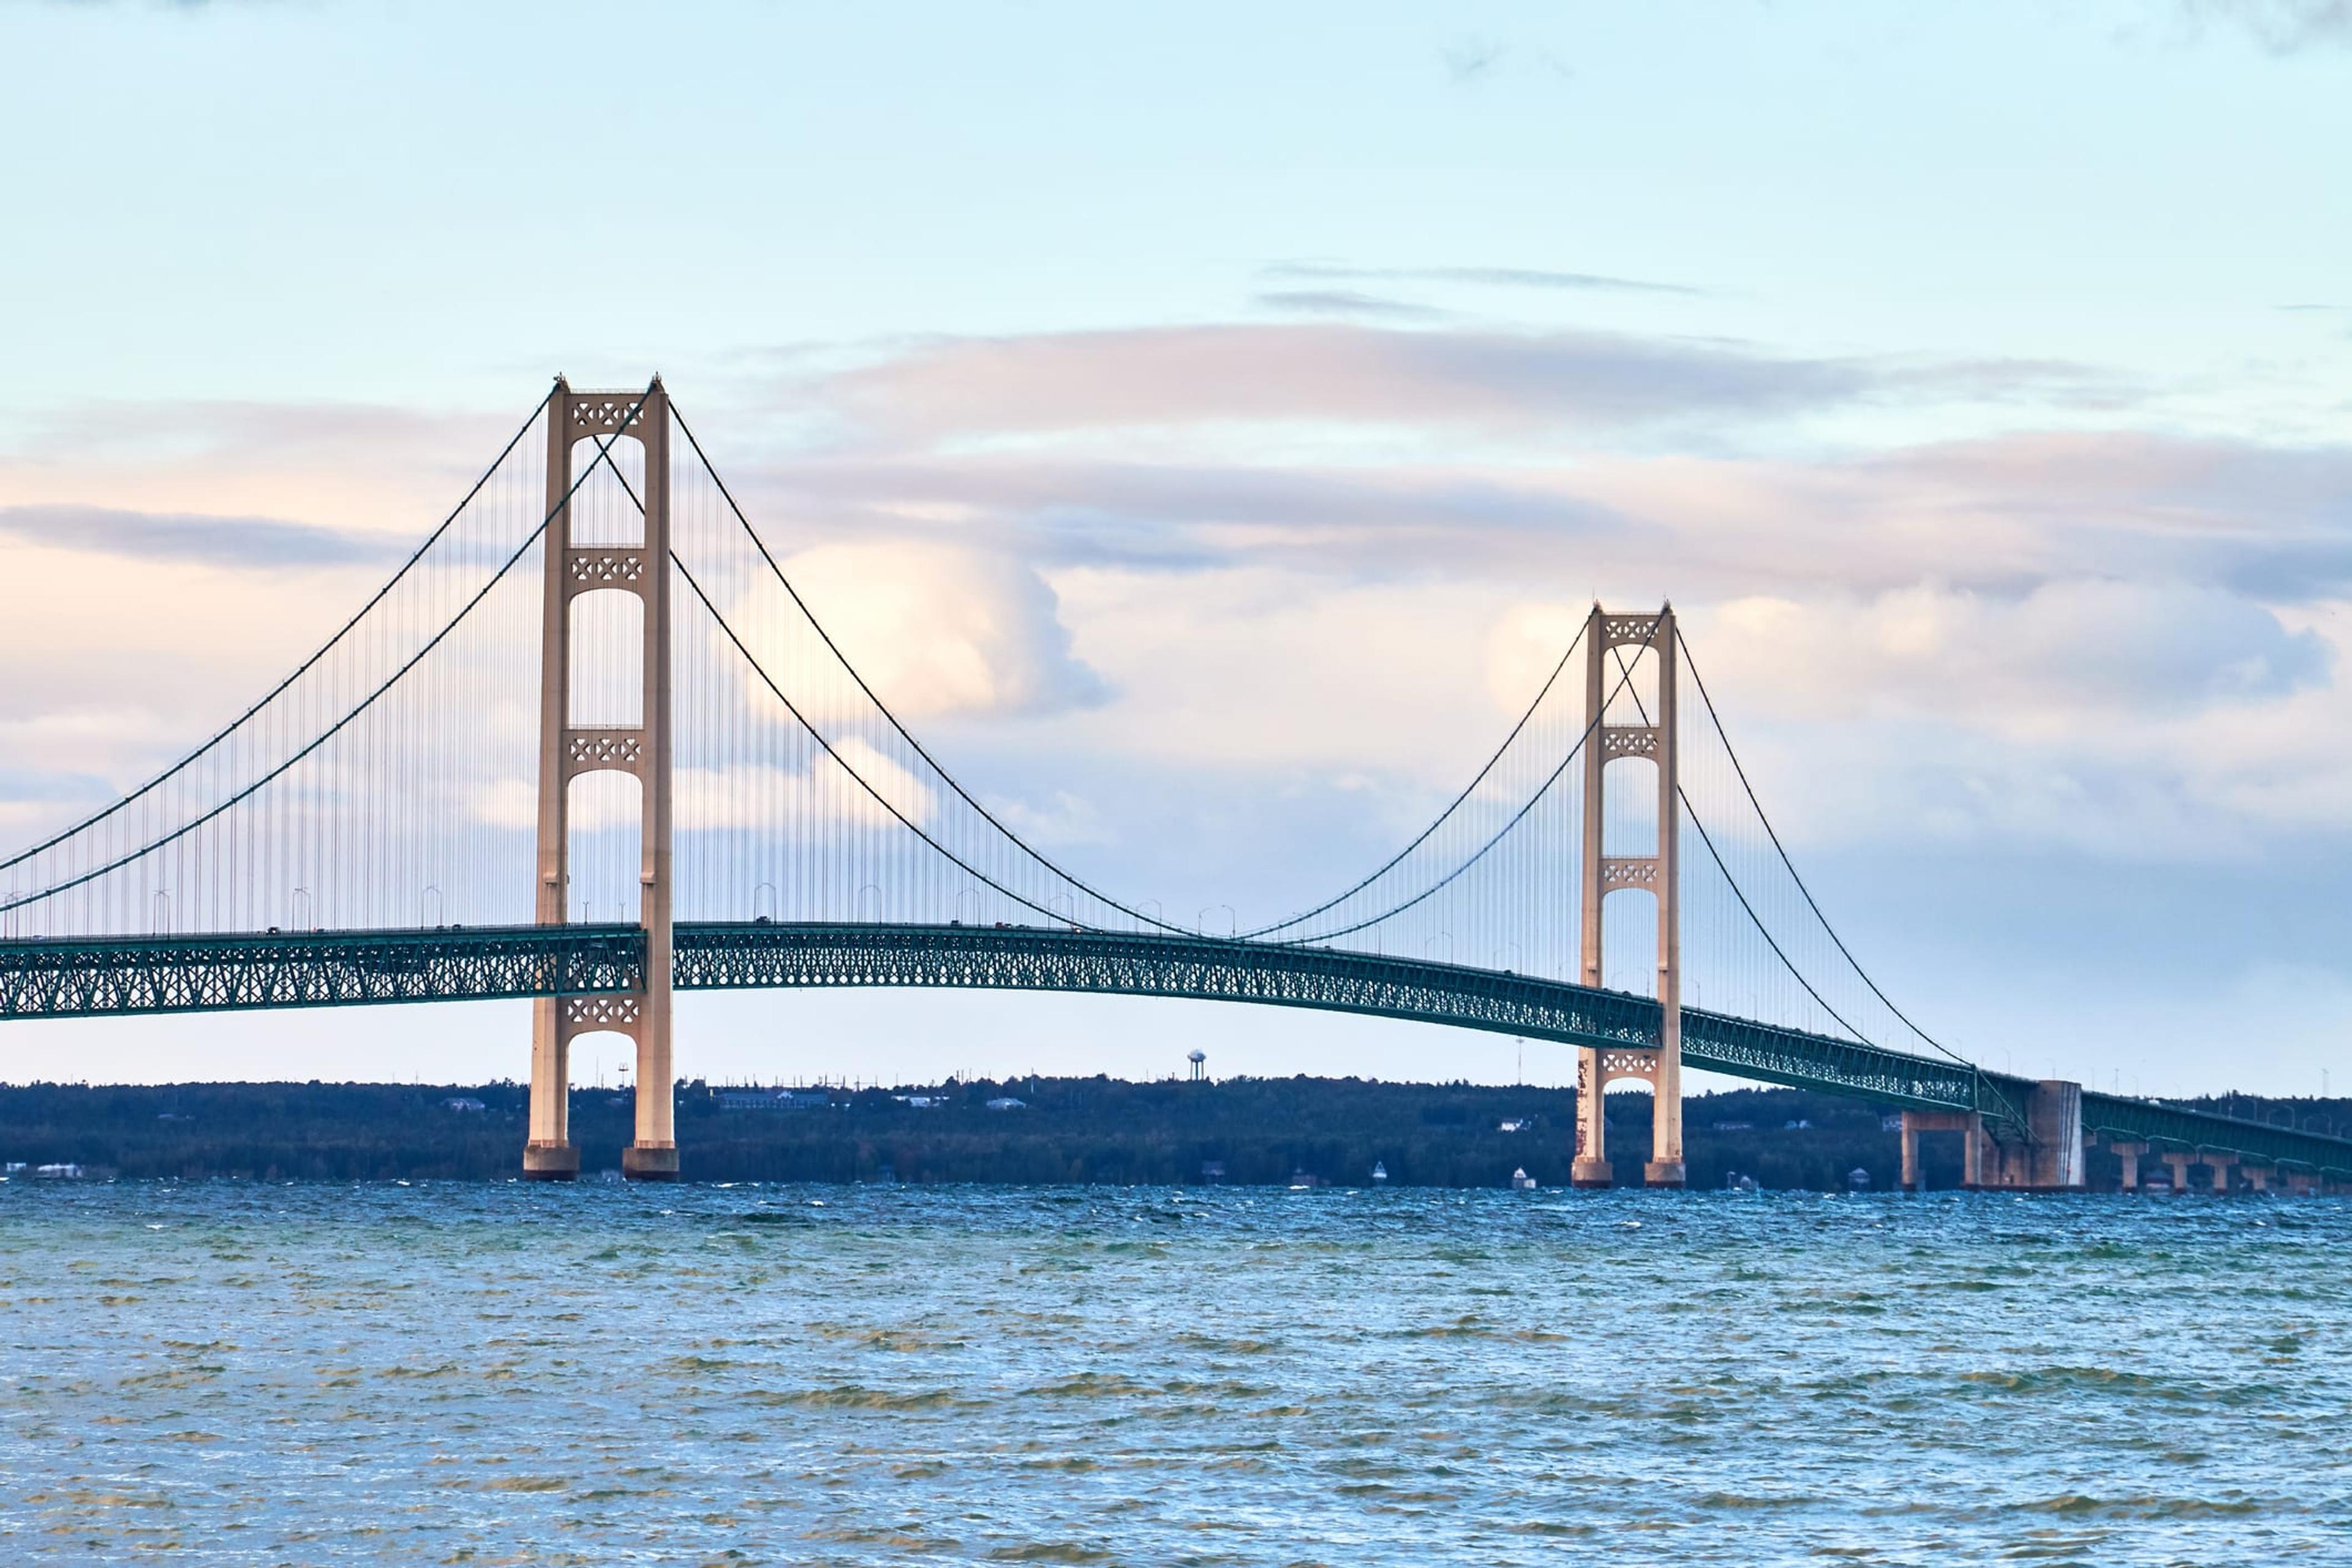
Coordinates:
column 450, row 1373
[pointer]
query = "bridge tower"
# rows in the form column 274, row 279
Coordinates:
column 567, row 750
column 1651, row 637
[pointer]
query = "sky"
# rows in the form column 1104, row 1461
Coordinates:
column 1186, row 413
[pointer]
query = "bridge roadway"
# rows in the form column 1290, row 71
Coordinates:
column 84, row 977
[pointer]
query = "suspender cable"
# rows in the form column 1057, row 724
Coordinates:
column 332, row 730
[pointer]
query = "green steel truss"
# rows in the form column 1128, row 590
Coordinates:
column 1034, row 958
column 2117, row 1117
column 167, row 975
column 84, row 977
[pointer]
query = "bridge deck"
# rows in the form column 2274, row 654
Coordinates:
column 82, row 978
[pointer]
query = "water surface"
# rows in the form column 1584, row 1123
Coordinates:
column 244, row 1373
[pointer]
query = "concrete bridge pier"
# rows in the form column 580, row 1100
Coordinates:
column 2053, row 1118
column 2010, row 1165
column 2180, row 1159
column 1973, row 1143
column 2258, row 1177
column 2128, row 1152
column 2220, row 1163
column 2047, row 1159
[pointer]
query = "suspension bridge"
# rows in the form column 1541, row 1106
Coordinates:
column 588, row 745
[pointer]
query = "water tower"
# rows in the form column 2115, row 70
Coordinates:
column 1200, row 1065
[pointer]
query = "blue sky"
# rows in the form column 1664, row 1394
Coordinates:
column 1974, row 377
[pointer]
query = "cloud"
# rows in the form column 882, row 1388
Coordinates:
column 2043, row 611
column 780, row 801
column 1345, row 302
column 2272, row 523
column 1496, row 277
column 2280, row 26
column 368, row 468
column 2030, row 638
column 1472, row 61
column 187, row 536
column 787, row 802
column 940, row 628
column 1521, row 384
column 1064, row 820
column 2064, row 654
column 1191, row 516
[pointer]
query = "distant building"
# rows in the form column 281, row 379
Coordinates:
column 1380, row 1171
column 773, row 1100
column 1007, row 1102
column 1521, row 1182
column 1515, row 1124
column 1857, row 1180
column 1213, row 1170
column 464, row 1102
column 1735, row 1126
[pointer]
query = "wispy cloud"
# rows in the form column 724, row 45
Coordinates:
column 1473, row 60
column 1494, row 277
column 1345, row 302
column 187, row 536
column 2281, row 26
column 1358, row 373
column 2271, row 525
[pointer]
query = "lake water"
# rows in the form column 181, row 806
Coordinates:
column 248, row 1373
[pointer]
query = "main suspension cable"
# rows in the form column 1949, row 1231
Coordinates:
column 817, row 735
column 300, row 670
column 1015, row 839
column 859, row 779
column 1517, row 817
column 1452, row 806
column 1750, row 789
column 1976, row 1072
column 366, row 703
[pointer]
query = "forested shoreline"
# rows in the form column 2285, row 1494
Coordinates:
column 1243, row 1132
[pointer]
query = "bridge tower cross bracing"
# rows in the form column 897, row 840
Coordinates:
column 567, row 750
column 1653, row 638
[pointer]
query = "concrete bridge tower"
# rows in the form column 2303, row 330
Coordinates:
column 1651, row 637
column 567, row 750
